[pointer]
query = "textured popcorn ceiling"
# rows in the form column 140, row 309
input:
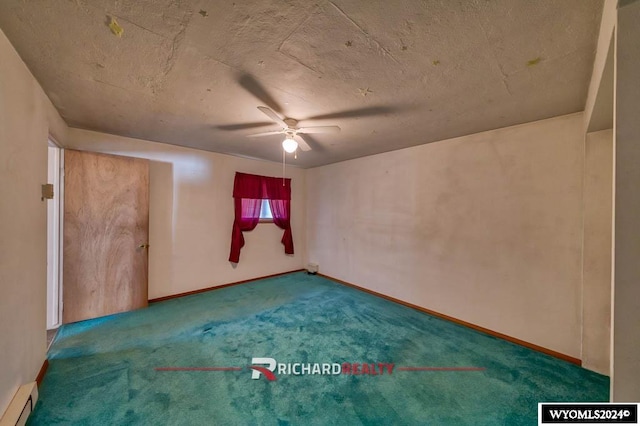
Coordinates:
column 391, row 74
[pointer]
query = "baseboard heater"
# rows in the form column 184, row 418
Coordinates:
column 21, row 405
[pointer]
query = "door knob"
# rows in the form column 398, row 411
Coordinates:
column 143, row 246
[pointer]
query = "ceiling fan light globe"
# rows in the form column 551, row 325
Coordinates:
column 289, row 145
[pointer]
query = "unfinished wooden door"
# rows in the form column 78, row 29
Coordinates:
column 106, row 231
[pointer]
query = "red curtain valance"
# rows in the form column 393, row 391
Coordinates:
column 248, row 191
column 261, row 187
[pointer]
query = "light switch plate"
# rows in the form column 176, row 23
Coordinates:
column 47, row 191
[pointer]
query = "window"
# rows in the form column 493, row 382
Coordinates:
column 257, row 198
column 265, row 212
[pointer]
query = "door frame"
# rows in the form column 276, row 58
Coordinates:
column 54, row 238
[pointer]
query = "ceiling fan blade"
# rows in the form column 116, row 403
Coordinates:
column 252, row 86
column 242, row 126
column 257, row 135
column 272, row 115
column 354, row 113
column 319, row 129
column 302, row 143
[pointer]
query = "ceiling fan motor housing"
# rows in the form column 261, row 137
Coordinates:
column 291, row 122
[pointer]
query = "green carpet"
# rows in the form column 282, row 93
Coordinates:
column 103, row 371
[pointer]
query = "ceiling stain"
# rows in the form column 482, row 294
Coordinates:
column 204, row 13
column 115, row 27
column 384, row 50
column 534, row 62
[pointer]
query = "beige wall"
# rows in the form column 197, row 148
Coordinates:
column 191, row 214
column 486, row 228
column 625, row 383
column 26, row 119
column 596, row 298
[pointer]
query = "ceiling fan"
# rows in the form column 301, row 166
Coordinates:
column 293, row 135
